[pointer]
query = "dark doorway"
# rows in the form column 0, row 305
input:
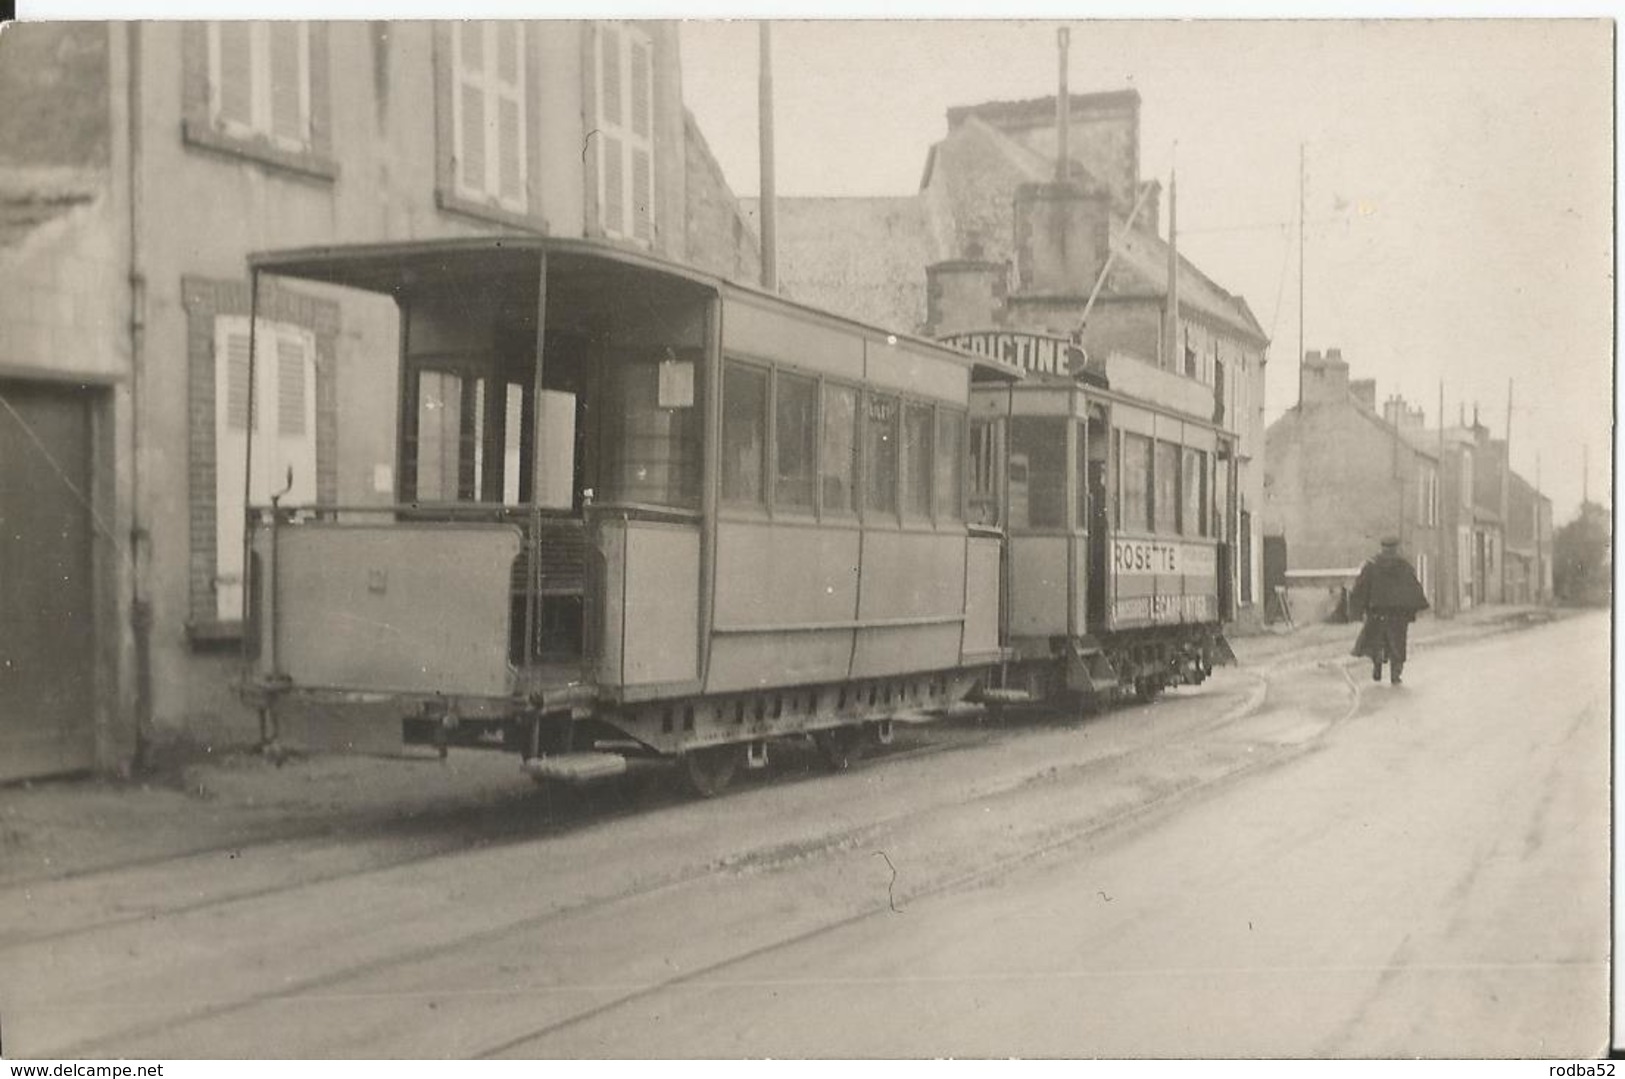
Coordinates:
column 47, row 595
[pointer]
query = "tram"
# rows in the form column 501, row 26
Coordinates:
column 641, row 514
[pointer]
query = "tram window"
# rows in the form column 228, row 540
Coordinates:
column 916, row 460
column 880, row 451
column 1193, row 493
column 838, row 451
column 744, row 432
column 1165, row 481
column 513, row 425
column 1080, row 477
column 984, row 489
column 1041, row 442
column 1136, row 482
column 441, row 440
column 651, row 452
column 793, row 414
column 950, row 465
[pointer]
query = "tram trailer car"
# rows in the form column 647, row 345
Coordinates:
column 641, row 513
column 1115, row 509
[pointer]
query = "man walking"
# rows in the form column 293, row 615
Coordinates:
column 1388, row 594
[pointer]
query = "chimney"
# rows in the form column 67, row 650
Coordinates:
column 1062, row 238
column 964, row 294
column 1364, row 390
column 1325, row 380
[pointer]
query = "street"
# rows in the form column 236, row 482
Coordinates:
column 1290, row 861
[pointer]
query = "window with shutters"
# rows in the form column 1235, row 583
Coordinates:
column 624, row 83
column 489, row 130
column 279, row 408
column 259, row 82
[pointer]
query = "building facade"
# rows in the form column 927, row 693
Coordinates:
column 1000, row 239
column 139, row 166
column 1340, row 477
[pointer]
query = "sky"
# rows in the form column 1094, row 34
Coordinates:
column 1458, row 182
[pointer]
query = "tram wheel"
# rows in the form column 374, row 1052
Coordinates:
column 839, row 746
column 1147, row 689
column 708, row 771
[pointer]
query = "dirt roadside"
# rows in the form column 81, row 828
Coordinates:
column 58, row 829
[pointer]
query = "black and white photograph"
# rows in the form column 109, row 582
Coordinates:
column 672, row 537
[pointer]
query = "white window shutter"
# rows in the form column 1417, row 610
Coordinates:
column 510, row 151
column 287, row 119
column 610, row 83
column 291, row 387
column 231, row 414
column 294, row 446
column 642, row 194
column 640, row 89
column 236, row 73
column 285, row 379
column 614, row 185
column 626, row 132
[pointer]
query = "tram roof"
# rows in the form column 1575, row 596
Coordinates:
column 401, row 267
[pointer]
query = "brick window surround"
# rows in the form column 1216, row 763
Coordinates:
column 447, row 194
column 205, row 300
column 199, row 128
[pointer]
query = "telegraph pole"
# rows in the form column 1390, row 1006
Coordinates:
column 764, row 105
column 1506, row 494
column 1301, row 181
column 1063, row 113
column 1437, row 517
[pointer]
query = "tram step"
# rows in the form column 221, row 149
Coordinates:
column 575, row 767
column 1005, row 696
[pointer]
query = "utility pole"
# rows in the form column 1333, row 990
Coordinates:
column 1540, row 540
column 1437, row 516
column 1301, row 181
column 1506, row 494
column 764, row 120
column 1063, row 111
column 1173, row 355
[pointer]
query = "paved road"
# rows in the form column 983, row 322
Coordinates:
column 1430, row 880
column 1420, row 871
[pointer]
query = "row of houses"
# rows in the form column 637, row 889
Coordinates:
column 1342, row 472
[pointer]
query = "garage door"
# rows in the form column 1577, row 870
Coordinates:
column 47, row 631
